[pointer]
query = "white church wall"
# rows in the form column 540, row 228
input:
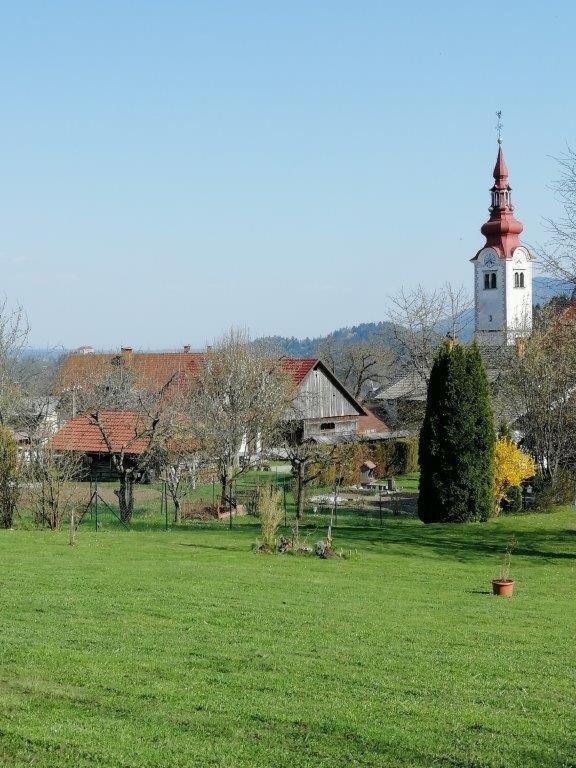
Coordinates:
column 518, row 294
column 490, row 302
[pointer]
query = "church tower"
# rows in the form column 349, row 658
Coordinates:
column 502, row 270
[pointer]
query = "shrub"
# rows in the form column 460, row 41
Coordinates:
column 396, row 457
column 9, row 477
column 198, row 509
column 270, row 514
column 51, row 490
column 344, row 465
column 511, row 467
column 511, row 504
column 561, row 489
column 457, row 439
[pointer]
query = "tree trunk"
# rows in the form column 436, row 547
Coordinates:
column 177, row 511
column 125, row 496
column 299, row 492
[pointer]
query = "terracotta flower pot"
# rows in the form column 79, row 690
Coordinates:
column 503, row 587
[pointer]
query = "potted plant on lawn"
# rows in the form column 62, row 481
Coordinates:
column 504, row 585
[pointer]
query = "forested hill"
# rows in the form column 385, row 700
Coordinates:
column 307, row 347
column 544, row 289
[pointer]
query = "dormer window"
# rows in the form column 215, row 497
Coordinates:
column 490, row 280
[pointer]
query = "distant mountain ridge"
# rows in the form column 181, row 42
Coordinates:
column 544, row 288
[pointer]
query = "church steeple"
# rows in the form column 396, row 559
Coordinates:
column 502, row 268
column 502, row 229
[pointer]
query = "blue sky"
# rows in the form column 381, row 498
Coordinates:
column 169, row 169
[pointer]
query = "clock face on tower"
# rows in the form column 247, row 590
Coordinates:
column 489, row 260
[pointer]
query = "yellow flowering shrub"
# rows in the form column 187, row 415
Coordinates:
column 511, row 467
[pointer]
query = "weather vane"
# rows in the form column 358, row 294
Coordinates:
column 499, row 125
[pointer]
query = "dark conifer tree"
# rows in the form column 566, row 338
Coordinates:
column 457, row 439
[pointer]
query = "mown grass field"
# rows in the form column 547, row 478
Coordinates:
column 185, row 648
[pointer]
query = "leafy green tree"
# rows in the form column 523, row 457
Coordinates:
column 457, row 439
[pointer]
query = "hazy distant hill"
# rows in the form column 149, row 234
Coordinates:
column 543, row 289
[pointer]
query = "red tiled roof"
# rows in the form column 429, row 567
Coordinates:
column 151, row 369
column 81, row 434
column 298, row 367
column 154, row 369
column 370, row 424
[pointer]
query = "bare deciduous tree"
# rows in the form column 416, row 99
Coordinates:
column 14, row 331
column 308, row 460
column 539, row 388
column 234, row 402
column 113, row 388
column 422, row 319
column 50, row 489
column 361, row 367
column 182, row 460
column 558, row 257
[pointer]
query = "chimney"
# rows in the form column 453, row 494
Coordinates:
column 126, row 354
column 186, row 348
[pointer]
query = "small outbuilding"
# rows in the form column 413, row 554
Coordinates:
column 367, row 473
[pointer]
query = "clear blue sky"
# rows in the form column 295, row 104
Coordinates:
column 168, row 169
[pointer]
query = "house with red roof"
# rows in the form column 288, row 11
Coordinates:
column 327, row 411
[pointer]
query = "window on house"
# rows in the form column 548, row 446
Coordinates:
column 493, row 280
column 521, row 279
column 328, row 425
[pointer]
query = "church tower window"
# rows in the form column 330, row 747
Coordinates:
column 490, row 280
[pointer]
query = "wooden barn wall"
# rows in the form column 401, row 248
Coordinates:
column 318, row 398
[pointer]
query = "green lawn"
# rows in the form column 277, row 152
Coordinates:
column 185, row 648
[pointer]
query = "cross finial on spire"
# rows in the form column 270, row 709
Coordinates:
column 499, row 125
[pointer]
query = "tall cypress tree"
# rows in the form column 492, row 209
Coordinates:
column 457, row 439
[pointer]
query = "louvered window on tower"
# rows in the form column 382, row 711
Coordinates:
column 489, row 280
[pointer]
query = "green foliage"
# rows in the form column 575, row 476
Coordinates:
column 549, row 492
column 9, row 477
column 344, row 465
column 396, row 457
column 457, row 440
column 512, row 502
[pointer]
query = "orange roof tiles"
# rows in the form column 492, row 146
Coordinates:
column 153, row 369
column 122, row 428
column 297, row 367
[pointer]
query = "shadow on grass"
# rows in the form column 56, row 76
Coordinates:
column 405, row 535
